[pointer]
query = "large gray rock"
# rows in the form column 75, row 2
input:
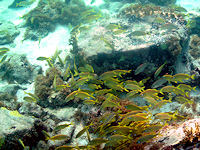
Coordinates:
column 12, row 121
column 137, row 34
column 8, row 32
column 14, row 126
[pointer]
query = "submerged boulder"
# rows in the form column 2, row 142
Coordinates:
column 185, row 135
column 137, row 34
column 8, row 97
column 44, row 18
column 14, row 126
column 18, row 69
column 8, row 32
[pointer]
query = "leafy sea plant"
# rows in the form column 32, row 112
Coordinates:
column 43, row 19
column 2, row 140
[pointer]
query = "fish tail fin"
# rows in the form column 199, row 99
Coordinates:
column 187, row 94
column 192, row 77
column 194, row 88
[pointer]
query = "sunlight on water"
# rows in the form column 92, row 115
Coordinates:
column 189, row 4
column 96, row 3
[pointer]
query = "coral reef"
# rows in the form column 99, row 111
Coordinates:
column 48, row 97
column 44, row 18
column 95, row 99
column 194, row 46
column 183, row 136
column 138, row 11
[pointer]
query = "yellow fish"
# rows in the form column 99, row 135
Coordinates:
column 164, row 116
column 161, row 103
column 168, row 77
column 173, row 89
column 150, row 93
column 65, row 147
column 180, row 77
column 113, row 26
column 3, row 50
column 86, row 68
column 132, row 93
column 134, row 107
column 134, row 118
column 140, row 68
column 83, row 95
column 134, row 87
column 119, row 130
column 185, row 87
column 98, row 141
column 62, row 126
column 182, row 100
column 153, row 127
column 59, row 137
column 151, row 100
column 108, row 75
column 108, row 103
column 158, row 71
column 118, row 138
column 71, row 96
column 146, row 138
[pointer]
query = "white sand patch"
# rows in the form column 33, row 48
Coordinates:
column 96, row 3
column 47, row 46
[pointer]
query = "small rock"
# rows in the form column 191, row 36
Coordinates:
column 18, row 69
column 10, row 89
column 8, row 32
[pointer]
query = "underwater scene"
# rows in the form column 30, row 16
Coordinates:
column 99, row 74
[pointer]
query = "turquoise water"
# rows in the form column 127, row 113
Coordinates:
column 99, row 74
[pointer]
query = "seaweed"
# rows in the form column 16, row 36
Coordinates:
column 44, row 18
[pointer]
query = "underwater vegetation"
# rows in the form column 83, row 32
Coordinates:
column 120, row 122
column 194, row 46
column 43, row 19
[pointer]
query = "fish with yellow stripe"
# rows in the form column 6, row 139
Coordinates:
column 173, row 89
column 165, row 116
column 181, row 77
column 185, row 87
column 150, row 93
